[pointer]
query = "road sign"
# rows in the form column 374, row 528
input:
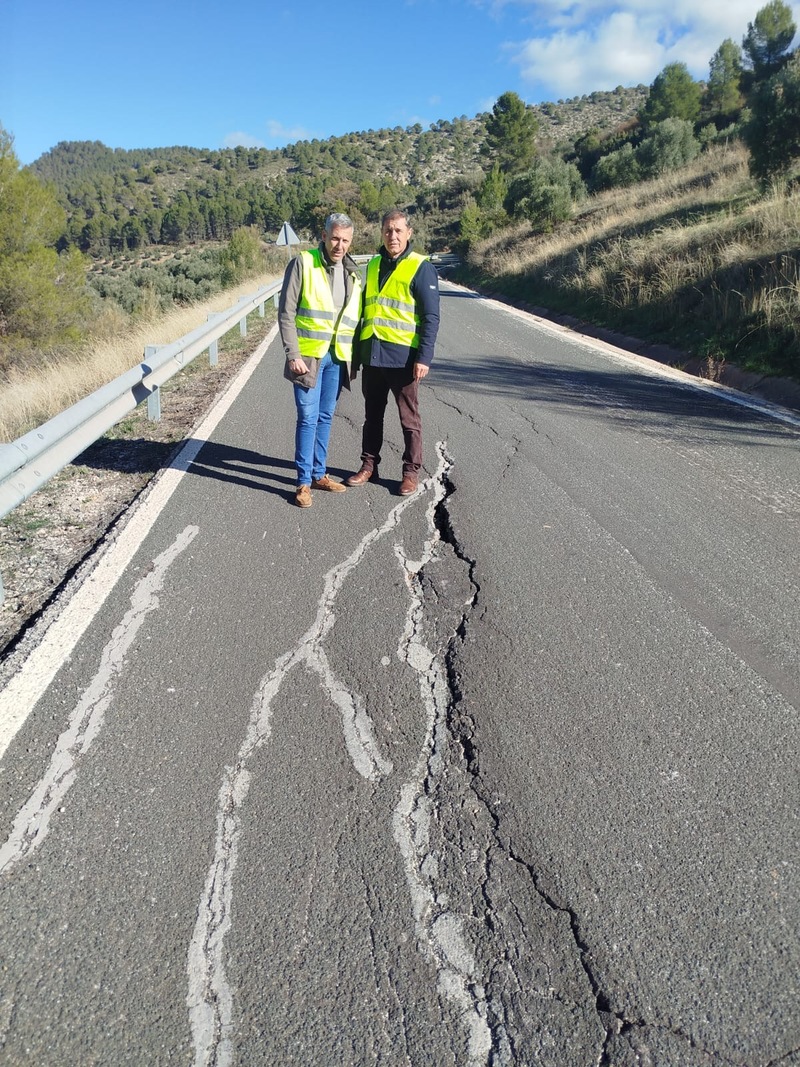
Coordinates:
column 287, row 236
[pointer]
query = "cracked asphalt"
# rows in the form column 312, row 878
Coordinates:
column 503, row 773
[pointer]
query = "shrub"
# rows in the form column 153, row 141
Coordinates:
column 671, row 145
column 242, row 256
column 618, row 168
column 546, row 193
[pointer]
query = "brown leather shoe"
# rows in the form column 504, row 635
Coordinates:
column 303, row 496
column 408, row 485
column 367, row 473
column 327, row 484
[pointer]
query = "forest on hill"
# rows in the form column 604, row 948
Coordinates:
column 117, row 200
column 516, row 191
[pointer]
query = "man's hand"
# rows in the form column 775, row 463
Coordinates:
column 353, row 372
column 420, row 370
column 298, row 366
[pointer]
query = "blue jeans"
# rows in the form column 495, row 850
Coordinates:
column 315, row 409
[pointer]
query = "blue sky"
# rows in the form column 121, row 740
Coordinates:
column 151, row 73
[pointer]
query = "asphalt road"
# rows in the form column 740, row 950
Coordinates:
column 505, row 773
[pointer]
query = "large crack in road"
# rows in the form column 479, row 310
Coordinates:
column 620, row 1036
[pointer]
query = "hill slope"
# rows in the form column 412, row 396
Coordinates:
column 119, row 200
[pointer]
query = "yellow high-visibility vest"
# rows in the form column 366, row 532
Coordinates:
column 319, row 325
column 390, row 313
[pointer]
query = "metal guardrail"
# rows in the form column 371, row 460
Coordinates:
column 30, row 461
column 445, row 259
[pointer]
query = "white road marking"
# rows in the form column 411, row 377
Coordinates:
column 86, row 720
column 440, row 932
column 59, row 637
column 209, row 998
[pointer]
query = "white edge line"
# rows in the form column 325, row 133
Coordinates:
column 87, row 593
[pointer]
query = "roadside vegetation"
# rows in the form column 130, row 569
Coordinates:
column 670, row 211
column 680, row 225
column 32, row 393
column 698, row 259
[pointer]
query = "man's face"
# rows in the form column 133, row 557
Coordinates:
column 337, row 242
column 396, row 234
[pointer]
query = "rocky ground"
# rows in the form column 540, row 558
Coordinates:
column 45, row 539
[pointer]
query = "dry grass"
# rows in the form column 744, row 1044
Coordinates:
column 699, row 249
column 32, row 395
column 712, row 184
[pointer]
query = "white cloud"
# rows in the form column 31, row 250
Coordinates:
column 591, row 45
column 276, row 131
column 570, row 63
column 246, row 140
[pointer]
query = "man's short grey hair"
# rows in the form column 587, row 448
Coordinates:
column 338, row 218
column 396, row 213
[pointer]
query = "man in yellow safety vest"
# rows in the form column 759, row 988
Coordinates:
column 318, row 318
column 398, row 333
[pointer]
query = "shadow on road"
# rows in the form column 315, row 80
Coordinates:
column 242, row 466
column 608, row 393
column 253, row 470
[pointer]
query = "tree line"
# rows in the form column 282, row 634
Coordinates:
column 120, row 201
column 83, row 202
column 752, row 93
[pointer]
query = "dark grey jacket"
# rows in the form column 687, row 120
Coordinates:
column 287, row 309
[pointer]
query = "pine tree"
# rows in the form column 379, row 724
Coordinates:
column 768, row 38
column 723, row 93
column 773, row 132
column 673, row 95
column 511, row 134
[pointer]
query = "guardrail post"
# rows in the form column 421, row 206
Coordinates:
column 154, row 399
column 276, row 299
column 213, row 348
column 261, row 309
column 243, row 326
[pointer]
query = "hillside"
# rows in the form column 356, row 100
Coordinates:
column 699, row 259
column 118, row 200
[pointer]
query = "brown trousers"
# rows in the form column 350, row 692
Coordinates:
column 376, row 384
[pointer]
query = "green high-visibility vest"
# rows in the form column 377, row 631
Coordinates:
column 390, row 313
column 319, row 325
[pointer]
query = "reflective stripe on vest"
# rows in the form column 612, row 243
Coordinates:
column 318, row 327
column 390, row 313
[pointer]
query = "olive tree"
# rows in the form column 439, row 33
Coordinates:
column 671, row 145
column 545, row 194
column 619, row 168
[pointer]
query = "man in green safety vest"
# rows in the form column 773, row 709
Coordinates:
column 318, row 318
column 398, row 333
